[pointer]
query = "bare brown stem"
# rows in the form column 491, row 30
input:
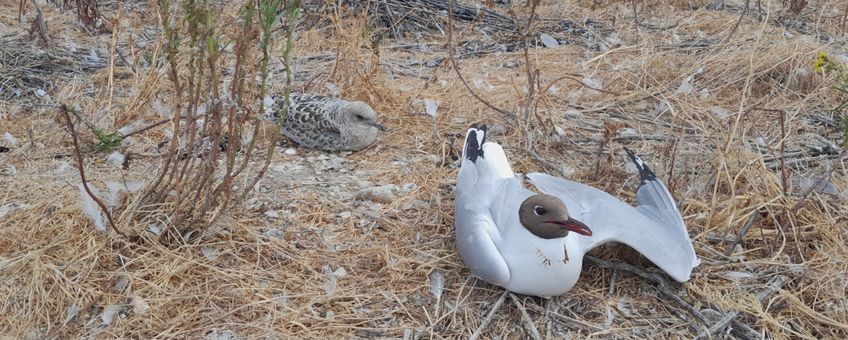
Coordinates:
column 70, row 123
column 456, row 68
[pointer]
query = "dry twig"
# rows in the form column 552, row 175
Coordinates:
column 528, row 322
column 773, row 286
column 70, row 124
column 489, row 317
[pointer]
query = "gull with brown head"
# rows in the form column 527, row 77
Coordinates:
column 534, row 244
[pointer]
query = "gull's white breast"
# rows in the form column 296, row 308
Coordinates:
column 538, row 266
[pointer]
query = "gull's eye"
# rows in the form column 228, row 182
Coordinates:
column 539, row 211
column 360, row 117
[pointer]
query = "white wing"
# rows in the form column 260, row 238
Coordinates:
column 613, row 220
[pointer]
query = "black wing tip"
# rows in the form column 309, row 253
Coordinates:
column 473, row 148
column 645, row 171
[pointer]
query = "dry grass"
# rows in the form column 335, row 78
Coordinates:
column 324, row 264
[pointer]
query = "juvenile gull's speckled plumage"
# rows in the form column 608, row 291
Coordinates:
column 328, row 123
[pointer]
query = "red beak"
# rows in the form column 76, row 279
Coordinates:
column 575, row 226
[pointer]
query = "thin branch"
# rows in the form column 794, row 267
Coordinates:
column 774, row 285
column 662, row 284
column 70, row 123
column 736, row 26
column 455, row 64
column 528, row 322
column 742, row 232
column 489, row 317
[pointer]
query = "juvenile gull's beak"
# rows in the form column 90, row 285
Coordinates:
column 379, row 126
column 575, row 226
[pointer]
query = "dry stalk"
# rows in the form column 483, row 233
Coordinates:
column 662, row 284
column 508, row 115
column 39, row 24
column 528, row 322
column 489, row 316
column 742, row 232
column 774, row 285
column 81, row 166
column 736, row 25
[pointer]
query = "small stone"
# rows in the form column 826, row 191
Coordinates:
column 627, row 132
column 272, row 214
column 497, row 130
column 573, row 114
column 381, row 194
column 274, row 233
column 290, row 151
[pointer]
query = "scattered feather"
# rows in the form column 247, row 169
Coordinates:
column 736, row 276
column 483, row 84
column 593, row 83
column 133, row 186
column 335, row 90
column 116, row 159
column 560, row 132
column 437, row 284
column 139, row 305
column 430, row 107
column 548, row 40
column 268, row 105
column 40, row 93
column 10, row 139
column 155, row 229
column 331, row 283
column 10, row 207
column 72, row 313
column 109, row 314
column 608, row 321
column 91, row 209
column 210, row 252
column 224, row 334
column 163, row 110
column 62, row 167
column 807, row 183
column 686, row 86
column 121, row 283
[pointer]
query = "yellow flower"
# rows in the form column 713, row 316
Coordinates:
column 821, row 61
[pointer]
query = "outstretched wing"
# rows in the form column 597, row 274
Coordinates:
column 613, row 220
column 653, row 197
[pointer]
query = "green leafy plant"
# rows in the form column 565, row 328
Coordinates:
column 825, row 65
column 107, row 141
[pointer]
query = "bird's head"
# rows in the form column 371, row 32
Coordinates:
column 547, row 217
column 360, row 115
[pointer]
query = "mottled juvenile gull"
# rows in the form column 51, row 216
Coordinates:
column 534, row 244
column 328, row 123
